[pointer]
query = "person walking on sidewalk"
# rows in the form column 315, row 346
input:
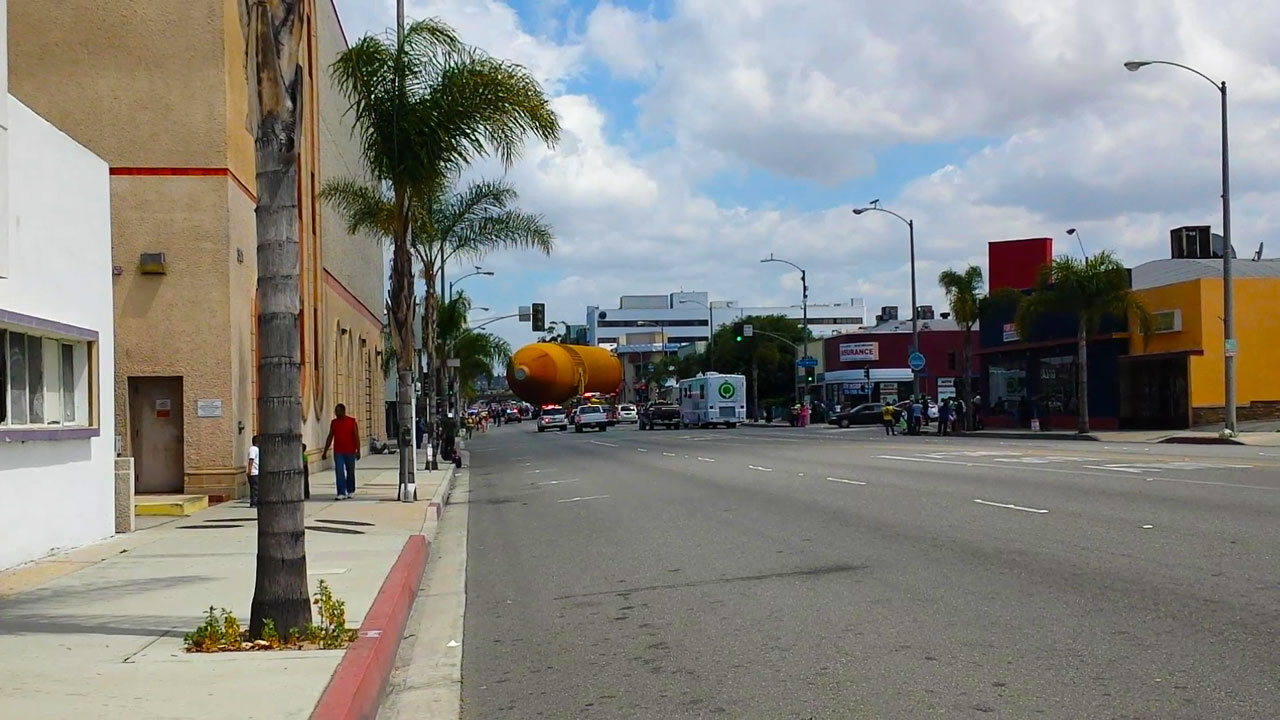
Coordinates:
column 251, row 469
column 944, row 416
column 306, row 475
column 886, row 415
column 344, row 436
column 917, row 412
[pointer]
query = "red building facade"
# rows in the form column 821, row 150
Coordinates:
column 872, row 366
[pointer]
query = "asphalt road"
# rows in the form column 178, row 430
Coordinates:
column 782, row 573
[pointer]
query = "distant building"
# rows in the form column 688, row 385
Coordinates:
column 687, row 317
column 57, row 420
column 159, row 90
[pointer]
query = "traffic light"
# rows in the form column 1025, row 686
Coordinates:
column 810, row 375
column 737, row 332
column 539, row 317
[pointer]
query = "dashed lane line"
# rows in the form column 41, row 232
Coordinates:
column 597, row 442
column 850, row 482
column 761, row 469
column 1011, row 507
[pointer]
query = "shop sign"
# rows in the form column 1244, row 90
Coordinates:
column 946, row 387
column 859, row 352
column 889, row 393
column 1010, row 332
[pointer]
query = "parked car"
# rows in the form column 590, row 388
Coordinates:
column 552, row 418
column 628, row 414
column 659, row 413
column 864, row 414
column 590, row 416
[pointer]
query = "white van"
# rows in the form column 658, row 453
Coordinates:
column 713, row 399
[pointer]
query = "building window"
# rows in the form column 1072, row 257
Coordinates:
column 1058, row 384
column 44, row 381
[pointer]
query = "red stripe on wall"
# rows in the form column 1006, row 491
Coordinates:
column 352, row 300
column 186, row 172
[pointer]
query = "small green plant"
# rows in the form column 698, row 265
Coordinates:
column 332, row 632
column 221, row 631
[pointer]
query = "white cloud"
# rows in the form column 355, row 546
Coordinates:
column 815, row 90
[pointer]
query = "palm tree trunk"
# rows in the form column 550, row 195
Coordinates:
column 429, row 347
column 280, row 591
column 1082, row 423
column 401, row 302
column 965, row 390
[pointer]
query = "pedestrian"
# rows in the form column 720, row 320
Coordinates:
column 977, row 411
column 768, row 414
column 886, row 415
column 420, row 427
column 804, row 415
column 958, row 416
column 471, row 425
column 306, row 475
column 917, row 411
column 944, row 416
column 251, row 469
column 344, row 436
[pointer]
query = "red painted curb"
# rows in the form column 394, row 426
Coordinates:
column 355, row 690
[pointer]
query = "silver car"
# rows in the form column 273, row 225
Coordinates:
column 628, row 414
column 552, row 418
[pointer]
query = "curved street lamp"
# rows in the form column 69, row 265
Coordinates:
column 1079, row 239
column 478, row 271
column 711, row 333
column 804, row 302
column 874, row 206
column 1228, row 301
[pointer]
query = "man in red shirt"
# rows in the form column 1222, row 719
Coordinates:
column 344, row 436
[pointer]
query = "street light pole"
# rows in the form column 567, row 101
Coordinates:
column 915, row 323
column 1228, row 293
column 711, row 335
column 804, row 304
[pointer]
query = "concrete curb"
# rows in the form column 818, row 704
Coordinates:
column 1088, row 437
column 1198, row 440
column 440, row 498
column 355, row 690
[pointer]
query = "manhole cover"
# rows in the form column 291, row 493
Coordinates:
column 207, row 527
column 321, row 528
column 357, row 523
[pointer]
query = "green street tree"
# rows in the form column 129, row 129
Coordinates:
column 273, row 33
column 968, row 305
column 478, row 352
column 1089, row 290
column 425, row 106
column 771, row 348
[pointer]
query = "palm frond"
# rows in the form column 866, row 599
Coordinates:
column 364, row 207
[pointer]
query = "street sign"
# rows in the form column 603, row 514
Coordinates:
column 526, row 313
column 916, row 361
column 1231, row 348
column 453, row 362
column 807, row 361
column 748, row 331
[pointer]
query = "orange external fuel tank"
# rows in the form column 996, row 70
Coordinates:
column 545, row 373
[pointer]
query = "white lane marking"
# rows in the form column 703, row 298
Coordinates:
column 597, row 442
column 576, row 499
column 669, row 454
column 705, row 459
column 761, row 469
column 928, row 460
column 1095, row 474
column 1119, row 469
column 557, row 482
column 1011, row 507
column 842, row 480
column 1147, row 527
column 641, row 450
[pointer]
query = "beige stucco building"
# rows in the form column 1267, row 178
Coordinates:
column 158, row 89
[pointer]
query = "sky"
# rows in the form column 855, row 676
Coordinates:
column 699, row 136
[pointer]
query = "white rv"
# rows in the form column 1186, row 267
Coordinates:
column 713, row 399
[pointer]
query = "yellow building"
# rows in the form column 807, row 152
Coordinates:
column 158, row 89
column 1174, row 377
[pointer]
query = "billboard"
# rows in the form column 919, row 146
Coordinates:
column 859, row 352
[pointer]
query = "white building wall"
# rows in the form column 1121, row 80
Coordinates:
column 57, row 494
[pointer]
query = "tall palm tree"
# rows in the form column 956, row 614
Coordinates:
column 1088, row 289
column 478, row 352
column 425, row 106
column 470, row 223
column 273, row 35
column 964, row 295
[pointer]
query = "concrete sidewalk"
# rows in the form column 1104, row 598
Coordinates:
column 1189, row 437
column 98, row 632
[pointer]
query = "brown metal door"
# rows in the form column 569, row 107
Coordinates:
column 155, row 426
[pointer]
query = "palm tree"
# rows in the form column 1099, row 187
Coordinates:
column 425, row 106
column 964, row 294
column 478, row 352
column 470, row 223
column 280, row 594
column 1090, row 289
